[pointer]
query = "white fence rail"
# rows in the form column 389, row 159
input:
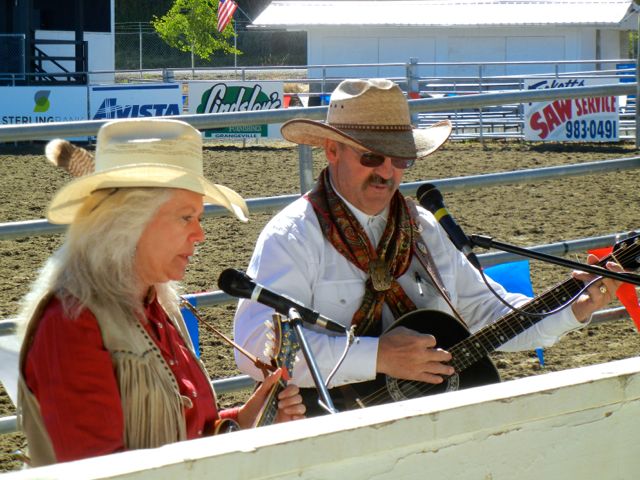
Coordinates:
column 579, row 423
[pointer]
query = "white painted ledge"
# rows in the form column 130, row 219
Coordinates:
column 581, row 423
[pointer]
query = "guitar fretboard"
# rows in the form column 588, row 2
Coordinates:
column 489, row 338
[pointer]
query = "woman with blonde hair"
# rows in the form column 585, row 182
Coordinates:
column 106, row 363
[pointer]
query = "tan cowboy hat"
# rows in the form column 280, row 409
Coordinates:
column 371, row 114
column 144, row 153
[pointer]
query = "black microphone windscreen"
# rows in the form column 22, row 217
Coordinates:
column 236, row 283
column 429, row 197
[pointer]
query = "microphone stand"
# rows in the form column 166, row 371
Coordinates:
column 325, row 399
column 488, row 242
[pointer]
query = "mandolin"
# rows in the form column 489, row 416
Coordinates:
column 283, row 348
column 282, row 341
column 470, row 351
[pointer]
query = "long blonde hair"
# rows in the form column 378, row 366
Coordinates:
column 95, row 264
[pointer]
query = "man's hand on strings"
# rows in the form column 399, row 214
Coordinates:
column 407, row 354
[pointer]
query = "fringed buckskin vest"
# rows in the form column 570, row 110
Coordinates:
column 150, row 397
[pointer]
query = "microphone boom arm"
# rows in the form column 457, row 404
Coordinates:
column 484, row 241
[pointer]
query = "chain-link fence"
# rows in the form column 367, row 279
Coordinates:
column 12, row 53
column 138, row 46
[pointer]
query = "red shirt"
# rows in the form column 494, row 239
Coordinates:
column 71, row 375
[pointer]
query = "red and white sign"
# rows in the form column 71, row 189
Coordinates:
column 592, row 119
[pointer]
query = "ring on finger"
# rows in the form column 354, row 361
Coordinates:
column 603, row 288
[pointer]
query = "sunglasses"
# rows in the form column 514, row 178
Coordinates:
column 372, row 160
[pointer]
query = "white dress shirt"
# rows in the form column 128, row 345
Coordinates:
column 292, row 257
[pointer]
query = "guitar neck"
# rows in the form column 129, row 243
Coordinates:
column 489, row 338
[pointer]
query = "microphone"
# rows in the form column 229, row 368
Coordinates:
column 239, row 284
column 431, row 199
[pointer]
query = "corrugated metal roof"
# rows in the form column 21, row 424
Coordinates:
column 443, row 13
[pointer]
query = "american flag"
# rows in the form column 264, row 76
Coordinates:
column 226, row 9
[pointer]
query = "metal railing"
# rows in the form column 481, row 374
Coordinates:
column 49, row 68
column 14, row 133
column 204, row 121
column 13, row 230
column 313, row 83
column 9, row 423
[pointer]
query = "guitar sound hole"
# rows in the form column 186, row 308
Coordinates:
column 407, row 389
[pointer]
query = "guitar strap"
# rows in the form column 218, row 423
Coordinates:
column 346, row 394
column 426, row 260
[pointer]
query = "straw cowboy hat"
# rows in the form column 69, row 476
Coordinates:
column 137, row 153
column 370, row 114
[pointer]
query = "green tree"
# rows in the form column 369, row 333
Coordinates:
column 191, row 26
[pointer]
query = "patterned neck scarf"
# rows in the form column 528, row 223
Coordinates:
column 384, row 264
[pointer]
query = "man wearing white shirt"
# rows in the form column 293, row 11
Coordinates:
column 359, row 253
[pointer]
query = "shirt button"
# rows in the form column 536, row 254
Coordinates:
column 194, row 394
column 172, row 363
column 199, row 432
column 343, row 301
column 159, row 325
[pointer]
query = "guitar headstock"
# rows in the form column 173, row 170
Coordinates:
column 282, row 345
column 626, row 252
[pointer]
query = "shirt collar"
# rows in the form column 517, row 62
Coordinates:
column 373, row 224
column 150, row 297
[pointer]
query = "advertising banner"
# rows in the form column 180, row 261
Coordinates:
column 593, row 119
column 20, row 105
column 134, row 101
column 219, row 97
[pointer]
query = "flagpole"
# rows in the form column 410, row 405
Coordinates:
column 235, row 38
column 245, row 14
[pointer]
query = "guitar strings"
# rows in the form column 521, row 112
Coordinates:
column 283, row 351
column 601, row 262
column 413, row 388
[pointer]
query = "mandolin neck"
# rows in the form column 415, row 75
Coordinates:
column 270, row 409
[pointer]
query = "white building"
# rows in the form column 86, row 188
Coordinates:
column 440, row 31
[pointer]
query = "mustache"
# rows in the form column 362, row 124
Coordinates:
column 375, row 179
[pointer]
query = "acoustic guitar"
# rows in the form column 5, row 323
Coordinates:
column 470, row 352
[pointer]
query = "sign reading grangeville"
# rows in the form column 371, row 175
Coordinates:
column 593, row 119
column 219, row 97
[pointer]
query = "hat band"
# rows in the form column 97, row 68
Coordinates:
column 389, row 128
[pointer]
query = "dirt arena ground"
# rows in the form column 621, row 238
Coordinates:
column 524, row 214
